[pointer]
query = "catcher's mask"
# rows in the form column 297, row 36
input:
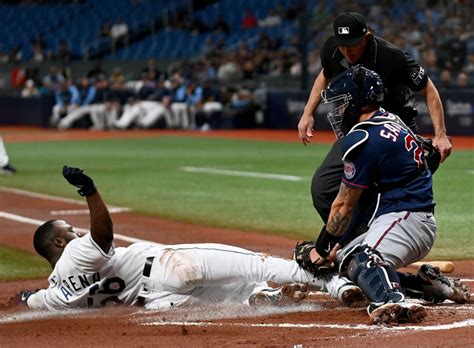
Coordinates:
column 350, row 91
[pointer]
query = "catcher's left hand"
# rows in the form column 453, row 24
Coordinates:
column 302, row 255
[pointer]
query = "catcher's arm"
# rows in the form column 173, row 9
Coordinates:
column 342, row 209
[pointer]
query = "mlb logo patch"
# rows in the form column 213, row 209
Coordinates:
column 343, row 30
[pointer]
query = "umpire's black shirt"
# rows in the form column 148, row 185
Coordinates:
column 400, row 73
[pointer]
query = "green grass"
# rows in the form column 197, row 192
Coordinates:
column 18, row 265
column 144, row 174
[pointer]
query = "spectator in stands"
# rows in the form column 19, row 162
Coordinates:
column 249, row 20
column 87, row 94
column 96, row 72
column 117, row 75
column 18, row 76
column 462, row 80
column 470, row 63
column 30, row 90
column 119, row 29
column 38, row 54
column 265, row 42
column 446, row 79
column 15, row 55
column 104, row 31
column 272, row 19
column 66, row 100
column 64, row 54
column 228, row 68
column 52, row 80
column 152, row 66
column 221, row 26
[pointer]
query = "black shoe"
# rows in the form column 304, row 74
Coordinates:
column 8, row 169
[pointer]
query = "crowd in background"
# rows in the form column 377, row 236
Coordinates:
column 156, row 100
column 438, row 34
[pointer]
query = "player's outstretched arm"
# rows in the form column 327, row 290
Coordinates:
column 101, row 222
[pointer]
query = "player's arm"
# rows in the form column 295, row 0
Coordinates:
column 306, row 123
column 342, row 209
column 101, row 222
column 435, row 109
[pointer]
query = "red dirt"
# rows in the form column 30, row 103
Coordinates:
column 124, row 326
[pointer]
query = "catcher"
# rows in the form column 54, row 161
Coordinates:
column 381, row 154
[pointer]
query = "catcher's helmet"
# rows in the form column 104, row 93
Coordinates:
column 351, row 90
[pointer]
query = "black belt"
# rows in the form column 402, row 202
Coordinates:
column 147, row 267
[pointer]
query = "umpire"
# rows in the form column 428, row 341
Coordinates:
column 354, row 43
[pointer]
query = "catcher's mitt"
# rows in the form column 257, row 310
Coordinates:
column 431, row 153
column 301, row 254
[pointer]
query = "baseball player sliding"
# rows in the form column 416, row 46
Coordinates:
column 88, row 271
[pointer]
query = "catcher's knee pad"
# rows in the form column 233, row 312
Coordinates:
column 367, row 271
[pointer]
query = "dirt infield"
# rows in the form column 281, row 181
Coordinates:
column 320, row 321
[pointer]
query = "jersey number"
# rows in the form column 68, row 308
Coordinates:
column 111, row 286
column 411, row 143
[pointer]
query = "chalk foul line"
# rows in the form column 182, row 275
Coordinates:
column 35, row 222
column 455, row 325
column 206, row 170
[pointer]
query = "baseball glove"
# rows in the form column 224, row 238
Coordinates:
column 431, row 153
column 301, row 254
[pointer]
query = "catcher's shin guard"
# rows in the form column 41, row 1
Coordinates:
column 367, row 271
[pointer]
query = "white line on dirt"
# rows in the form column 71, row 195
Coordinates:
column 455, row 325
column 86, row 211
column 45, row 196
column 27, row 220
column 243, row 174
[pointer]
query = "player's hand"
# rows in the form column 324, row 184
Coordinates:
column 76, row 177
column 444, row 146
column 333, row 252
column 305, row 128
column 22, row 296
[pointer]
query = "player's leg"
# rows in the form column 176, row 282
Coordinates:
column 76, row 114
column 129, row 116
column 153, row 112
column 182, row 269
column 326, row 181
column 392, row 241
column 402, row 237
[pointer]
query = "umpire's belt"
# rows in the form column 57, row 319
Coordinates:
column 147, row 267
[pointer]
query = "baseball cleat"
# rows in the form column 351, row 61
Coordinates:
column 7, row 169
column 438, row 287
column 387, row 313
column 396, row 313
column 284, row 295
column 351, row 295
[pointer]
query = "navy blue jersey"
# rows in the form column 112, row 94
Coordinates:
column 383, row 153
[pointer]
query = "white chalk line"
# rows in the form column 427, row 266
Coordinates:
column 47, row 197
column 217, row 171
column 455, row 325
column 27, row 220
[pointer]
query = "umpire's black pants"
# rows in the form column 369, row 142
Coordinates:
column 327, row 180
